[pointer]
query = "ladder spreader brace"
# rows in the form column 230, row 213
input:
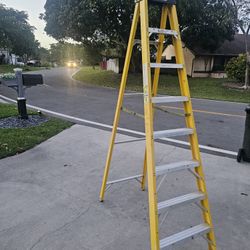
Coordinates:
column 150, row 90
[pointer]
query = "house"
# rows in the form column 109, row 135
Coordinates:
column 4, row 56
column 113, row 64
column 8, row 58
column 202, row 63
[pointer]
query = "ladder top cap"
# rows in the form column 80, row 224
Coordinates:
column 161, row 2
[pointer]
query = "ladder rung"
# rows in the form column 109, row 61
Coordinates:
column 184, row 235
column 129, row 141
column 176, row 166
column 162, row 31
column 124, row 179
column 169, row 99
column 166, row 65
column 181, row 200
column 173, row 132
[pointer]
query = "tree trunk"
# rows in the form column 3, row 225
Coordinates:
column 246, row 86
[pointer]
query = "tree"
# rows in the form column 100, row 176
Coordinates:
column 90, row 56
column 62, row 52
column 105, row 24
column 100, row 24
column 44, row 56
column 241, row 9
column 206, row 23
column 236, row 68
column 16, row 33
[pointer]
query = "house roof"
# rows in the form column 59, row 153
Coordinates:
column 228, row 48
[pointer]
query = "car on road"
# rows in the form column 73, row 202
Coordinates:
column 19, row 62
column 35, row 63
column 71, row 64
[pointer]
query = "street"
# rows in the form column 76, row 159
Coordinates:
column 219, row 124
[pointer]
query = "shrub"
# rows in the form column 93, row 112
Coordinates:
column 236, row 68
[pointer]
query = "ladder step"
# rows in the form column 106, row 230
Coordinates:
column 181, row 200
column 160, row 2
column 162, row 31
column 138, row 41
column 169, row 99
column 166, row 65
column 184, row 235
column 175, row 166
column 173, row 132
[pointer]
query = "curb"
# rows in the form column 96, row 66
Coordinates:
column 2, row 101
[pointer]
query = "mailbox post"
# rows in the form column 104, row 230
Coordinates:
column 244, row 152
column 21, row 100
column 20, row 84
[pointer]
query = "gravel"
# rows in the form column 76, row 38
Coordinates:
column 15, row 122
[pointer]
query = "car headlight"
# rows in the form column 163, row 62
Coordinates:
column 68, row 64
column 74, row 64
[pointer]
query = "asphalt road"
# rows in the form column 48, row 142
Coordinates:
column 219, row 124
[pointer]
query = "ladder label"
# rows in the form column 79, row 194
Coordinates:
column 145, row 82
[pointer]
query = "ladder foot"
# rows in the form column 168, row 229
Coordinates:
column 143, row 188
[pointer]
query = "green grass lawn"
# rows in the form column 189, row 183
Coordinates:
column 15, row 141
column 207, row 88
column 9, row 68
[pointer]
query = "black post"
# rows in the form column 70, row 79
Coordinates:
column 21, row 100
column 22, row 110
column 244, row 153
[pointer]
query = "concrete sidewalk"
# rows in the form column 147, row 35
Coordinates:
column 49, row 196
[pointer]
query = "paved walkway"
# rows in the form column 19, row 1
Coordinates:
column 49, row 197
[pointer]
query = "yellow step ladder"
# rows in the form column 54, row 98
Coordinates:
column 150, row 99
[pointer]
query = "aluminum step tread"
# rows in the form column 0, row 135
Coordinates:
column 162, row 31
column 169, row 99
column 162, row 2
column 184, row 199
column 175, row 166
column 166, row 65
column 184, row 235
column 173, row 132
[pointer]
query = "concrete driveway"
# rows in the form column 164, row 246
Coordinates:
column 49, row 197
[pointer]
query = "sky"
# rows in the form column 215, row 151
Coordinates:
column 33, row 8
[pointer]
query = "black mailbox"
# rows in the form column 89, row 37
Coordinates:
column 20, row 83
column 32, row 80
